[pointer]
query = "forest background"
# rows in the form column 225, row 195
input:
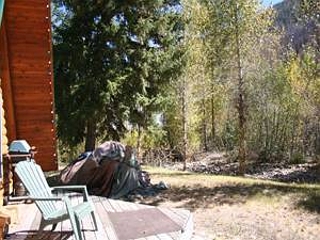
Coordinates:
column 189, row 76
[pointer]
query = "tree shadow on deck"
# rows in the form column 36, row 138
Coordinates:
column 46, row 235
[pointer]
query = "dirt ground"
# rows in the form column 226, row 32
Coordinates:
column 249, row 220
column 228, row 212
column 236, row 210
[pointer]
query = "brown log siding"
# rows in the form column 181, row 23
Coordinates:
column 27, row 79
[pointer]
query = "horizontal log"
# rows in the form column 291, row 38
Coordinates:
column 49, row 166
column 41, row 60
column 39, row 34
column 33, row 116
column 36, row 121
column 39, row 79
column 37, row 133
column 27, row 114
column 40, row 89
column 45, row 141
column 46, row 153
column 14, row 10
column 47, row 161
column 39, row 129
column 36, row 139
column 29, row 97
column 28, row 19
column 26, row 2
column 17, row 25
column 30, row 106
column 44, row 103
column 20, row 76
column 25, row 55
column 43, row 72
column 29, row 94
column 37, row 43
column 28, row 31
column 27, row 104
column 43, row 81
column 37, row 39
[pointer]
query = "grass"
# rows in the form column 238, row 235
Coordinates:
column 207, row 190
column 226, row 207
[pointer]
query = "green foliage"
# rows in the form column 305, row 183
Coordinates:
column 309, row 9
column 67, row 154
column 172, row 121
column 111, row 60
column 229, row 135
column 194, row 63
column 152, row 137
column 297, row 158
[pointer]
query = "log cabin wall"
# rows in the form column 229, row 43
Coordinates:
column 27, row 79
column 4, row 139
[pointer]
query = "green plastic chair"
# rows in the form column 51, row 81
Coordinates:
column 36, row 184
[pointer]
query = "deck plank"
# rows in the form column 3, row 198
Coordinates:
column 107, row 225
column 28, row 224
column 108, row 206
column 164, row 236
column 151, row 238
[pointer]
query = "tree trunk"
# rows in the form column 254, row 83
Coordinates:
column 213, row 119
column 90, row 141
column 204, row 127
column 241, row 103
column 184, row 123
column 317, row 138
column 139, row 141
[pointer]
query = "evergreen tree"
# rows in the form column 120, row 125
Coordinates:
column 110, row 60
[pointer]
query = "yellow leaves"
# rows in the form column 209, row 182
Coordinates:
column 302, row 75
column 295, row 77
column 197, row 15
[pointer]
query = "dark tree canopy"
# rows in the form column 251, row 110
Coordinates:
column 111, row 59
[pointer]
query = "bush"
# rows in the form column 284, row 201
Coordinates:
column 297, row 158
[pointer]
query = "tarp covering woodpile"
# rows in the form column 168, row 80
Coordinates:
column 110, row 170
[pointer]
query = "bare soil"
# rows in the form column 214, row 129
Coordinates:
column 260, row 209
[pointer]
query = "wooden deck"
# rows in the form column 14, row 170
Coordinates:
column 117, row 220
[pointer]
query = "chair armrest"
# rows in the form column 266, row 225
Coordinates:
column 70, row 187
column 83, row 188
column 47, row 198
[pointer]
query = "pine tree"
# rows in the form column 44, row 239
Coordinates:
column 111, row 58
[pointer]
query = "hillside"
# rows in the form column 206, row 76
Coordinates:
column 299, row 31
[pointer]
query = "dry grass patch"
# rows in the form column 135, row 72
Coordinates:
column 227, row 207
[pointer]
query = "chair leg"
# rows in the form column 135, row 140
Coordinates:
column 94, row 220
column 78, row 228
column 73, row 220
column 54, row 226
column 42, row 226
